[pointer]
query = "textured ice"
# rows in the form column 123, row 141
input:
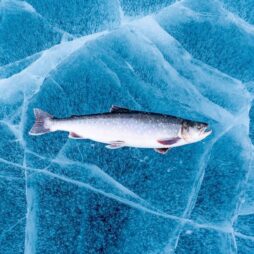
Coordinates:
column 186, row 58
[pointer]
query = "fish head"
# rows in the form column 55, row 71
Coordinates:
column 192, row 131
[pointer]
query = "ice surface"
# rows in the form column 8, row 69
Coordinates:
column 23, row 32
column 79, row 17
column 242, row 8
column 230, row 46
column 205, row 241
column 143, row 7
column 76, row 57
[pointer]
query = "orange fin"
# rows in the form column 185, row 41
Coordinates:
column 170, row 141
column 75, row 136
column 161, row 150
column 115, row 145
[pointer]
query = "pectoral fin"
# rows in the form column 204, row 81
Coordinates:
column 75, row 136
column 115, row 145
column 169, row 141
column 161, row 150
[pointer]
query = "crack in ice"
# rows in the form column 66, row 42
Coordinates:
column 125, row 201
column 6, row 231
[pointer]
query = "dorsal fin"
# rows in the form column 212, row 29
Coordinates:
column 117, row 109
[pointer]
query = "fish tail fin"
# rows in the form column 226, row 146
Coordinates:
column 42, row 122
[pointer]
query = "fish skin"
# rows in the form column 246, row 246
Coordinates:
column 130, row 128
column 135, row 129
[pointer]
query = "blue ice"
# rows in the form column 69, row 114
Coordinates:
column 186, row 58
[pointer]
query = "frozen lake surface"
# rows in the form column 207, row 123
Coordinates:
column 189, row 58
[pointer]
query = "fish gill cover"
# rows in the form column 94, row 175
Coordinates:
column 189, row 58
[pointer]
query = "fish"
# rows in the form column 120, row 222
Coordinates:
column 123, row 127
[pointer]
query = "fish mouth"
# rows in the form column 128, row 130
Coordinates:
column 206, row 131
